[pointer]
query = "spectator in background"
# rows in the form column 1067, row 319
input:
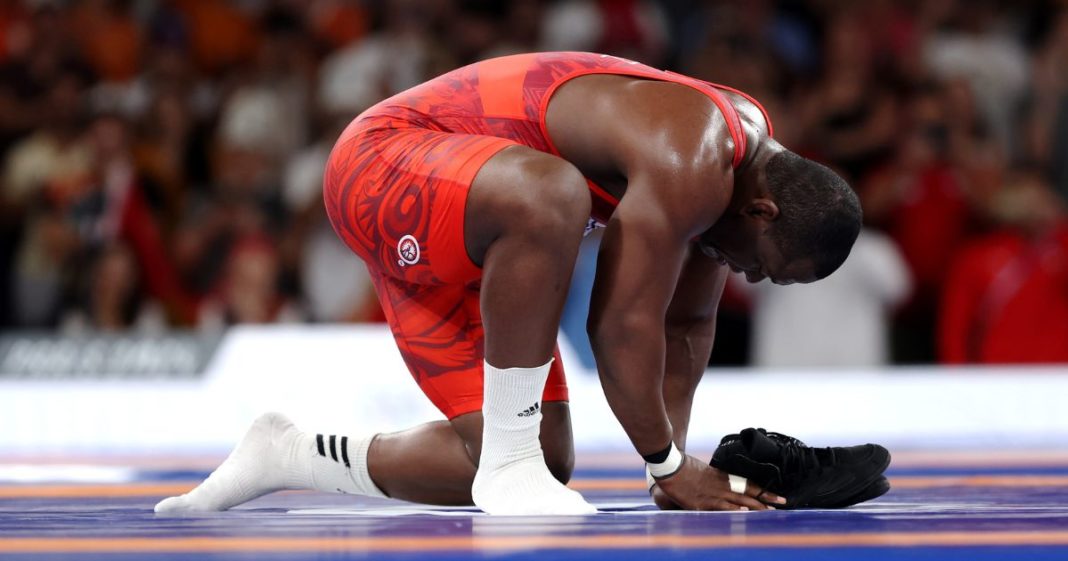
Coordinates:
column 751, row 47
column 1046, row 137
column 390, row 60
column 337, row 288
column 980, row 50
column 38, row 56
column 43, row 175
column 850, row 116
column 284, row 67
column 166, row 69
column 522, row 29
column 13, row 28
column 634, row 29
column 253, row 136
column 481, row 29
column 232, row 106
column 262, row 122
column 475, row 29
column 841, row 321
column 108, row 36
column 922, row 199
column 123, row 206
column 111, row 297
column 1006, row 296
column 247, row 292
column 175, row 110
column 52, row 162
column 163, row 153
column 222, row 35
column 337, row 23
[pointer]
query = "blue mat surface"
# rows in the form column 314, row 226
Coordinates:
column 967, row 510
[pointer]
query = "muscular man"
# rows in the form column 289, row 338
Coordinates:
column 467, row 197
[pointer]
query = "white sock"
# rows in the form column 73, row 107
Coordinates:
column 275, row 455
column 512, row 477
column 339, row 465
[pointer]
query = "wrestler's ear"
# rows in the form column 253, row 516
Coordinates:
column 762, row 209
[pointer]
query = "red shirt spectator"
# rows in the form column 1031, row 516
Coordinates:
column 1006, row 300
column 930, row 225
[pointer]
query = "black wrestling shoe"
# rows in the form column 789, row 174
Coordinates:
column 807, row 477
column 878, row 488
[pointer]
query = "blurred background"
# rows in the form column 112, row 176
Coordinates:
column 161, row 160
column 167, row 272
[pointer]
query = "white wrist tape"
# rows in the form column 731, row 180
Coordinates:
column 668, row 466
column 649, row 481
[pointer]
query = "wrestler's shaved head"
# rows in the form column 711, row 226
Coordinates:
column 819, row 214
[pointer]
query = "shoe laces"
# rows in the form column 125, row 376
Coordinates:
column 782, row 438
column 799, row 456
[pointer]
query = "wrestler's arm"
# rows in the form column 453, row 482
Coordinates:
column 690, row 325
column 689, row 329
column 679, row 177
column 642, row 254
column 671, row 151
column 638, row 266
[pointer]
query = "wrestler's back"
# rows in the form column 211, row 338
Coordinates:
column 509, row 97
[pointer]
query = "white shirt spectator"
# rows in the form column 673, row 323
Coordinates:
column 580, row 25
column 995, row 66
column 362, row 74
column 336, row 282
column 840, row 321
column 258, row 119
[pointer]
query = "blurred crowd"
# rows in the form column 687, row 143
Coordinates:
column 161, row 160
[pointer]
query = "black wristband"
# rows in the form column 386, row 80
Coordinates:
column 658, row 457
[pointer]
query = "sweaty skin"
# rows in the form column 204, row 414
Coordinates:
column 684, row 217
column 665, row 151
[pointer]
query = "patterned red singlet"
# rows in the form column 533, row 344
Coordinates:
column 396, row 185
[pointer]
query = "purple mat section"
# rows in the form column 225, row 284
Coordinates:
column 948, row 513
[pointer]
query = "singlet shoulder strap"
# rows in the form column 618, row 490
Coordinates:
column 730, row 114
column 750, row 99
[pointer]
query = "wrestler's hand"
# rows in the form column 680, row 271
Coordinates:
column 661, row 500
column 699, row 486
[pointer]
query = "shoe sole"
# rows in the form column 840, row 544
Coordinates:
column 877, row 489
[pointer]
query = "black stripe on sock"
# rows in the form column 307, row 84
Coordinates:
column 333, row 446
column 319, row 442
column 345, row 450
